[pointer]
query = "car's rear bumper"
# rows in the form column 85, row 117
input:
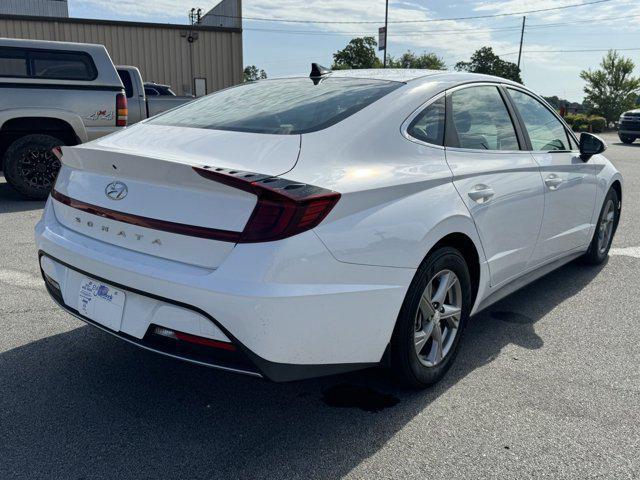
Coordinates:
column 291, row 310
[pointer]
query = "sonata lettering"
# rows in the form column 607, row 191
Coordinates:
column 121, row 233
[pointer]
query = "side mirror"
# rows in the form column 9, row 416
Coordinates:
column 591, row 145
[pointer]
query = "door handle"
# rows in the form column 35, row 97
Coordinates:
column 481, row 193
column 553, row 181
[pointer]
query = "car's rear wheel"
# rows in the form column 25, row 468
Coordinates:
column 605, row 229
column 625, row 139
column 432, row 319
column 30, row 167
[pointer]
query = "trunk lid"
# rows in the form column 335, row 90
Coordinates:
column 168, row 210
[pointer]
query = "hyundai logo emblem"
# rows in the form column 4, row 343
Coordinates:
column 116, row 190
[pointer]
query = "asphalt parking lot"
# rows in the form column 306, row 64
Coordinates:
column 546, row 385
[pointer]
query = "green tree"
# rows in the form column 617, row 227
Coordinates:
column 359, row 53
column 487, row 62
column 611, row 89
column 411, row 60
column 251, row 73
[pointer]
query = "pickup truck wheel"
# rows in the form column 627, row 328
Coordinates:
column 30, row 167
column 625, row 139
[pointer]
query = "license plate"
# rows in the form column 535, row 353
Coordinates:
column 101, row 303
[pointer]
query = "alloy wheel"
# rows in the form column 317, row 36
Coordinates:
column 39, row 167
column 437, row 319
column 605, row 229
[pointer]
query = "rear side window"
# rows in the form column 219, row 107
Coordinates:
column 481, row 121
column 546, row 132
column 428, row 126
column 13, row 63
column 284, row 106
column 126, row 81
column 62, row 65
column 151, row 92
column 47, row 64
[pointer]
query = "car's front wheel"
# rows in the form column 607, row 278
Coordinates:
column 432, row 319
column 605, row 229
column 625, row 139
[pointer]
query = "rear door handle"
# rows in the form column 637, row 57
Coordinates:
column 481, row 193
column 553, row 181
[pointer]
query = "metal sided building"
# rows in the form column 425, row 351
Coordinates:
column 192, row 59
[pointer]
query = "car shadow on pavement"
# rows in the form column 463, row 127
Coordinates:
column 11, row 201
column 82, row 404
column 631, row 145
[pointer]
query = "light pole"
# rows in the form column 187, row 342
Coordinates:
column 521, row 40
column 386, row 33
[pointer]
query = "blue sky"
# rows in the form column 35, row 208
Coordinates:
column 291, row 48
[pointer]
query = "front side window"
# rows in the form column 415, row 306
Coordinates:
column 284, row 106
column 13, row 63
column 546, row 132
column 481, row 121
column 428, row 126
column 62, row 66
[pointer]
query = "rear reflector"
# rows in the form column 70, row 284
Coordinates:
column 186, row 337
column 284, row 208
column 57, row 152
column 122, row 111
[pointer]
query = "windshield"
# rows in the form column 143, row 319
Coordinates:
column 283, row 106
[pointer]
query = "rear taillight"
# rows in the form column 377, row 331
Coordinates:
column 57, row 152
column 122, row 112
column 284, row 208
column 195, row 339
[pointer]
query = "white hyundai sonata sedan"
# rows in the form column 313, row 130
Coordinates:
column 300, row 227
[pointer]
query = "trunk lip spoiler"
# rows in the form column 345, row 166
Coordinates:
column 147, row 222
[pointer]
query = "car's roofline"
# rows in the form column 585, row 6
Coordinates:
column 410, row 75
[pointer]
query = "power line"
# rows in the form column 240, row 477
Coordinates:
column 449, row 31
column 377, row 22
column 574, row 51
column 409, row 33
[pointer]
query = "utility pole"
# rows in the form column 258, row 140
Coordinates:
column 524, row 19
column 386, row 32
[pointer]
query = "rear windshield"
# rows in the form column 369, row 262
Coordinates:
column 283, row 106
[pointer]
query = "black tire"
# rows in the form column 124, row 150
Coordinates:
column 30, row 167
column 627, row 140
column 405, row 363
column 597, row 253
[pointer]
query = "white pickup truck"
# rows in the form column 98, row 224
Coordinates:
column 59, row 93
column 142, row 106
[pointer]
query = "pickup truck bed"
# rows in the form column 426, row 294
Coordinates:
column 140, row 105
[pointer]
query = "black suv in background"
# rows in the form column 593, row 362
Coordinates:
column 629, row 126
